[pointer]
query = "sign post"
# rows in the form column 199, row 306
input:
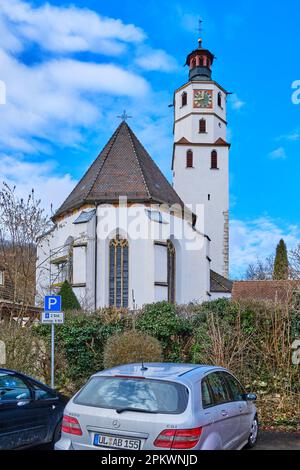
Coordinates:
column 52, row 316
column 52, row 354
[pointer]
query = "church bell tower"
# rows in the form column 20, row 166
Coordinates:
column 201, row 154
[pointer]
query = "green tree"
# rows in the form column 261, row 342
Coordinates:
column 69, row 300
column 281, row 264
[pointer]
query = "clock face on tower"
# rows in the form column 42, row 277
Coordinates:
column 203, row 99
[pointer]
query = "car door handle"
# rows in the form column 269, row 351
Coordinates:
column 23, row 403
column 224, row 413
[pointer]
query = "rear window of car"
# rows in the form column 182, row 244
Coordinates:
column 147, row 395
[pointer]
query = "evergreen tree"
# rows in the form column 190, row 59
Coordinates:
column 68, row 298
column 281, row 264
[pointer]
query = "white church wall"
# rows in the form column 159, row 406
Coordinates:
column 187, row 117
column 201, row 185
column 53, row 246
column 217, row 295
column 161, row 294
column 161, row 262
column 79, row 264
column 147, row 261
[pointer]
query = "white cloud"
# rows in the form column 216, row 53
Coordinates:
column 66, row 29
column 38, row 176
column 156, row 60
column 236, row 102
column 57, row 100
column 278, row 154
column 293, row 136
column 250, row 240
column 58, row 94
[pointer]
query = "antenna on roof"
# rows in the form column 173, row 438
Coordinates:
column 143, row 368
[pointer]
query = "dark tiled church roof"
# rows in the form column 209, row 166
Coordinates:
column 123, row 168
column 219, row 284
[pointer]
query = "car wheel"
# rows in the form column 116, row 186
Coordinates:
column 57, row 433
column 252, row 439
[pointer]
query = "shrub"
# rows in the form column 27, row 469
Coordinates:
column 162, row 321
column 24, row 351
column 81, row 339
column 131, row 346
column 69, row 300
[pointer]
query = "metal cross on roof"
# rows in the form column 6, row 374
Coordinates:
column 124, row 116
column 200, row 29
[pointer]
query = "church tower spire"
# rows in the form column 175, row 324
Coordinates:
column 200, row 63
column 201, row 153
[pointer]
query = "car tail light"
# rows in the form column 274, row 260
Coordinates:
column 178, row 438
column 71, row 425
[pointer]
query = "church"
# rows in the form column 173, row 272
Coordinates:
column 125, row 236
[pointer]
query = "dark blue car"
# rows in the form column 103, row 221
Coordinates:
column 30, row 412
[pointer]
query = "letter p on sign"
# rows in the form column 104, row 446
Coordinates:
column 52, row 303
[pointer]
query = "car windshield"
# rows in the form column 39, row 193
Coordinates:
column 129, row 394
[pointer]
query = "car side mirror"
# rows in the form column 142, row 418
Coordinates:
column 250, row 397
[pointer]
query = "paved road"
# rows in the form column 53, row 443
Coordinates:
column 269, row 440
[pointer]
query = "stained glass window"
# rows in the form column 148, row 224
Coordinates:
column 118, row 273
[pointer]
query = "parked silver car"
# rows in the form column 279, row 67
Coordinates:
column 160, row 406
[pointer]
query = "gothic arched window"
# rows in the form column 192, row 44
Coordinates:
column 214, row 160
column 118, row 272
column 184, row 99
column 171, row 271
column 189, row 159
column 202, row 126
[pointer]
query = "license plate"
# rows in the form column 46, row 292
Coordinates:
column 116, row 442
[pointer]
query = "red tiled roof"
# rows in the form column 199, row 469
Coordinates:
column 275, row 291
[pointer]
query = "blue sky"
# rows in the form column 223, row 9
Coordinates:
column 70, row 69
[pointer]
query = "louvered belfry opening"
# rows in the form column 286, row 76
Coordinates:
column 118, row 272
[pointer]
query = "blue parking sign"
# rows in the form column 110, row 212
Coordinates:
column 52, row 303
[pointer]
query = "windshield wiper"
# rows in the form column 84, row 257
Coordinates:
column 138, row 410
